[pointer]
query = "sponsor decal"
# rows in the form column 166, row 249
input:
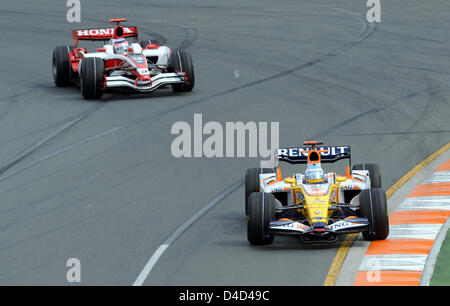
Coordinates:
column 301, row 227
column 142, row 70
column 303, row 152
column 347, row 187
column 275, row 189
column 293, row 226
column 317, row 201
column 101, row 32
column 343, row 224
column 339, row 225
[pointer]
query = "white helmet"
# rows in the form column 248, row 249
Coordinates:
column 120, row 45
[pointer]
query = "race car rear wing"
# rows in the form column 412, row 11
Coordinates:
column 299, row 155
column 101, row 34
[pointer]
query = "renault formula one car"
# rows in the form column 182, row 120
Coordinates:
column 315, row 206
column 142, row 66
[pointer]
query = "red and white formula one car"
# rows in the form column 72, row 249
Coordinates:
column 142, row 66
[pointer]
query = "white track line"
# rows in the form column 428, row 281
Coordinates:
column 150, row 264
column 4, row 167
column 181, row 229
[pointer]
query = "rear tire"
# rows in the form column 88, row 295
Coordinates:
column 374, row 173
column 261, row 212
column 92, row 77
column 252, row 182
column 181, row 60
column 61, row 66
column 373, row 206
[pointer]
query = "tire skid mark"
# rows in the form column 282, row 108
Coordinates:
column 158, row 37
column 190, row 33
column 366, row 113
column 8, row 108
column 190, row 37
column 22, row 94
column 35, row 209
column 336, row 86
column 162, row 39
column 428, row 40
column 393, row 133
column 431, row 91
column 7, row 165
column 369, row 29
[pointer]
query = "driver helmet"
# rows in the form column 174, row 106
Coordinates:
column 314, row 174
column 120, row 46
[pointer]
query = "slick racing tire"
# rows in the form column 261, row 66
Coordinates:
column 92, row 77
column 61, row 66
column 261, row 210
column 181, row 60
column 252, row 182
column 373, row 206
column 374, row 173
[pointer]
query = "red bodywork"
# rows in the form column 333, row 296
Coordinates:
column 132, row 64
column 99, row 34
column 102, row 34
column 105, row 34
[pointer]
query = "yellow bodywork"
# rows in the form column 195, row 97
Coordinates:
column 316, row 206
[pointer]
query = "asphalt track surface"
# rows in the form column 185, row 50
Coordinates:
column 96, row 180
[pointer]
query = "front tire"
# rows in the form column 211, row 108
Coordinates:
column 252, row 182
column 374, row 173
column 61, row 66
column 181, row 60
column 261, row 211
column 373, row 206
column 92, row 77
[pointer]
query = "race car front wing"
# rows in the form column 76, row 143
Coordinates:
column 146, row 86
column 289, row 227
